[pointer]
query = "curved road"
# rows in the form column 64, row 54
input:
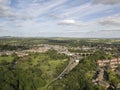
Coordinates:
column 72, row 64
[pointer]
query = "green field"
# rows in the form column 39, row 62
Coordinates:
column 6, row 58
column 35, row 70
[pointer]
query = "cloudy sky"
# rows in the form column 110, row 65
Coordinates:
column 60, row 18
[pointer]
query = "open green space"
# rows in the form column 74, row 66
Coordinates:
column 32, row 72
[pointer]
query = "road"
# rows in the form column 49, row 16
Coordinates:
column 72, row 64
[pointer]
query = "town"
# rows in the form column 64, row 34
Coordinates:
column 58, row 59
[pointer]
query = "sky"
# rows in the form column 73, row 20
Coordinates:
column 60, row 18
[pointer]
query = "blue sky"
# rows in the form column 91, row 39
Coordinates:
column 60, row 18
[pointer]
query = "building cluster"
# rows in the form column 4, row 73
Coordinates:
column 18, row 53
column 110, row 64
column 43, row 48
column 99, row 78
column 101, row 75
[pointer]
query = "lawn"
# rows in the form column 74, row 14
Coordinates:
column 44, row 63
column 6, row 58
column 30, row 66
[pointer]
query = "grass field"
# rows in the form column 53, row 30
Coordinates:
column 43, row 62
column 6, row 58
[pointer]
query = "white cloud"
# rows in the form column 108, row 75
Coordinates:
column 67, row 22
column 35, row 9
column 5, row 9
column 83, row 11
column 27, row 9
column 110, row 20
column 105, row 1
column 57, row 16
column 4, row 1
column 71, row 22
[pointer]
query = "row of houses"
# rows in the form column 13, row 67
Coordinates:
column 43, row 48
column 18, row 53
column 111, row 64
column 99, row 78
